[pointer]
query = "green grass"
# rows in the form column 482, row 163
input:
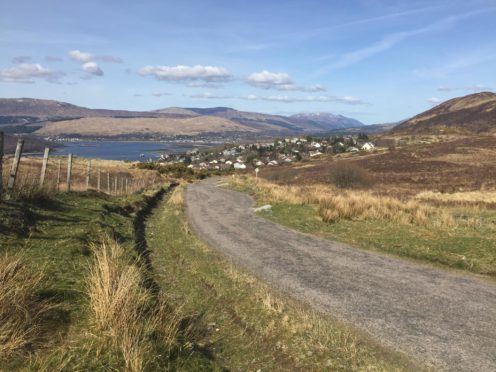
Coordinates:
column 241, row 324
column 467, row 248
column 54, row 233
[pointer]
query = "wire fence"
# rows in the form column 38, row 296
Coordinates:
column 23, row 175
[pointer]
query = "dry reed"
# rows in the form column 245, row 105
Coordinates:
column 123, row 311
column 335, row 204
column 21, row 310
column 177, row 197
column 481, row 196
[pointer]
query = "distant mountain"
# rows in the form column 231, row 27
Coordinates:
column 327, row 121
column 53, row 118
column 475, row 113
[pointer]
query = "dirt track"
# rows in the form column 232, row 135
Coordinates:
column 441, row 318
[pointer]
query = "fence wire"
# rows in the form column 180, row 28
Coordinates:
column 110, row 177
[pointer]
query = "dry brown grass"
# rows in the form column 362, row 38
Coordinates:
column 111, row 127
column 177, row 197
column 363, row 206
column 28, row 178
column 21, row 310
column 123, row 312
column 487, row 197
column 335, row 204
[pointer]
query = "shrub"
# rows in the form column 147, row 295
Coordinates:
column 347, row 176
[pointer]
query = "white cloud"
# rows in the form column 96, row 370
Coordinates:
column 467, row 61
column 27, row 72
column 279, row 81
column 79, row 56
column 109, row 59
column 205, row 85
column 187, row 73
column 92, row 68
column 268, row 80
column 208, row 95
column 434, row 101
column 390, row 40
column 324, row 98
column 473, row 88
column 88, row 64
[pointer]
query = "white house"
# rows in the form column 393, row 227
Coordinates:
column 368, row 146
column 239, row 166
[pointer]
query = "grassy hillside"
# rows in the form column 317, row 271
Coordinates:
column 475, row 113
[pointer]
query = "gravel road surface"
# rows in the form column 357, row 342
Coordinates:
column 441, row 318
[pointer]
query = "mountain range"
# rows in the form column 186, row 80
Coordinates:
column 53, row 118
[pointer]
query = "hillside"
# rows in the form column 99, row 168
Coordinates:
column 327, row 120
column 46, row 109
column 47, row 117
column 471, row 114
column 109, row 127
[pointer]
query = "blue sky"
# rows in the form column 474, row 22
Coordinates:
column 377, row 61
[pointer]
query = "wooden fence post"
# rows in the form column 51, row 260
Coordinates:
column 69, row 171
column 44, row 166
column 1, row 164
column 15, row 167
column 88, row 173
column 108, row 183
column 126, row 184
column 98, row 176
column 59, row 168
column 122, row 185
column 115, row 185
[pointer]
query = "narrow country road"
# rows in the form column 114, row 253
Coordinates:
column 441, row 318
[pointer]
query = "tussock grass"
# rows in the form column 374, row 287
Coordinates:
column 335, row 204
column 364, row 206
column 481, row 196
column 21, row 310
column 123, row 312
column 117, row 299
column 177, row 197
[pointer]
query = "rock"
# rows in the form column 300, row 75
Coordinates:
column 266, row 207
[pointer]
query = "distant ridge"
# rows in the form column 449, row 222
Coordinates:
column 328, row 120
column 54, row 118
column 474, row 113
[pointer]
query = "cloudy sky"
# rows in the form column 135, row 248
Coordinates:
column 374, row 60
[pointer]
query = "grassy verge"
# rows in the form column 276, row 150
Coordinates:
column 467, row 242
column 50, row 237
column 236, row 322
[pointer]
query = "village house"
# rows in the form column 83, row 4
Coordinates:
column 368, row 146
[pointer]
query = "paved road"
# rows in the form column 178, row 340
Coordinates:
column 444, row 319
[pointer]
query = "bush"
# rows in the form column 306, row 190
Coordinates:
column 348, row 176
